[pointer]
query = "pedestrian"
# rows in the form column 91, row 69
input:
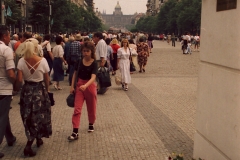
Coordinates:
column 197, row 42
column 149, row 40
column 58, row 61
column 133, row 48
column 35, row 105
column 48, row 55
column 40, row 49
column 168, row 38
column 85, row 89
column 143, row 54
column 74, row 55
column 109, row 53
column 124, row 63
column 18, row 49
column 115, row 46
column 101, row 52
column 67, row 50
column 8, row 78
column 173, row 39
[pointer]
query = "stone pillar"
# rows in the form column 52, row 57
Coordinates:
column 217, row 134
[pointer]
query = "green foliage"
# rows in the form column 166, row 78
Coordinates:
column 147, row 24
column 174, row 16
column 67, row 16
column 16, row 12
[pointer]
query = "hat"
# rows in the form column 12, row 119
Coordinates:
column 114, row 41
column 78, row 37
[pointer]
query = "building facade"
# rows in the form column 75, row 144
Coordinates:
column 117, row 19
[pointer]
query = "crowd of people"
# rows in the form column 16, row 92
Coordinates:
column 29, row 65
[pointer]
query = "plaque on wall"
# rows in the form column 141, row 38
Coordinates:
column 223, row 5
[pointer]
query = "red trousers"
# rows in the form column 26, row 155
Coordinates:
column 90, row 95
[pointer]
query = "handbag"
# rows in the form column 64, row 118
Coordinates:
column 71, row 97
column 132, row 66
column 118, row 80
column 51, row 98
column 64, row 66
column 104, row 77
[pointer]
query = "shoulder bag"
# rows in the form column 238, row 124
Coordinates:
column 132, row 67
column 71, row 97
column 104, row 77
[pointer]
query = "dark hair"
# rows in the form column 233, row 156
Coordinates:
column 20, row 35
column 27, row 35
column 141, row 39
column 47, row 37
column 98, row 34
column 86, row 39
column 59, row 40
column 89, row 45
column 131, row 41
column 3, row 31
column 108, row 40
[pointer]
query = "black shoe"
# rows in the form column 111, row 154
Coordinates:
column 39, row 142
column 12, row 142
column 29, row 152
column 1, row 155
column 143, row 70
column 123, row 86
column 73, row 137
column 90, row 128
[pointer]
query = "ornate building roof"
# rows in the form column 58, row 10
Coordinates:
column 118, row 6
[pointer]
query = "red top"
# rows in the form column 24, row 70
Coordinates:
column 115, row 48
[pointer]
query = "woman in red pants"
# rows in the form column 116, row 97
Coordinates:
column 85, row 88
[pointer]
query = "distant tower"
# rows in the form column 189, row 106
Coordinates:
column 118, row 9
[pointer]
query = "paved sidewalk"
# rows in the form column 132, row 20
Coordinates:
column 154, row 118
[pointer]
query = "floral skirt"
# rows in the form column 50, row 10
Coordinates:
column 35, row 109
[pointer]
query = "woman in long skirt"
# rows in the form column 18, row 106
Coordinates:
column 58, row 61
column 35, row 105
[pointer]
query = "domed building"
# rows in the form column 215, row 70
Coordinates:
column 117, row 19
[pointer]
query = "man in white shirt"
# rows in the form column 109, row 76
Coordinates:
column 101, row 48
column 101, row 56
column 7, row 79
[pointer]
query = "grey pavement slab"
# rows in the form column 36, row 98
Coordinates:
column 148, row 122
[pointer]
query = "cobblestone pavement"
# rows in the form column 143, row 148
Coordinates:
column 154, row 118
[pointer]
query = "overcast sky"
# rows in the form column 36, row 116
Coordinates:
column 128, row 6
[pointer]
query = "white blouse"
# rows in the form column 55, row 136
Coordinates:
column 37, row 76
column 58, row 51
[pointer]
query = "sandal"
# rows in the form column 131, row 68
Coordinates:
column 73, row 137
column 59, row 88
column 55, row 86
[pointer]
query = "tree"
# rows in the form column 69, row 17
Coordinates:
column 16, row 12
column 174, row 17
column 66, row 15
